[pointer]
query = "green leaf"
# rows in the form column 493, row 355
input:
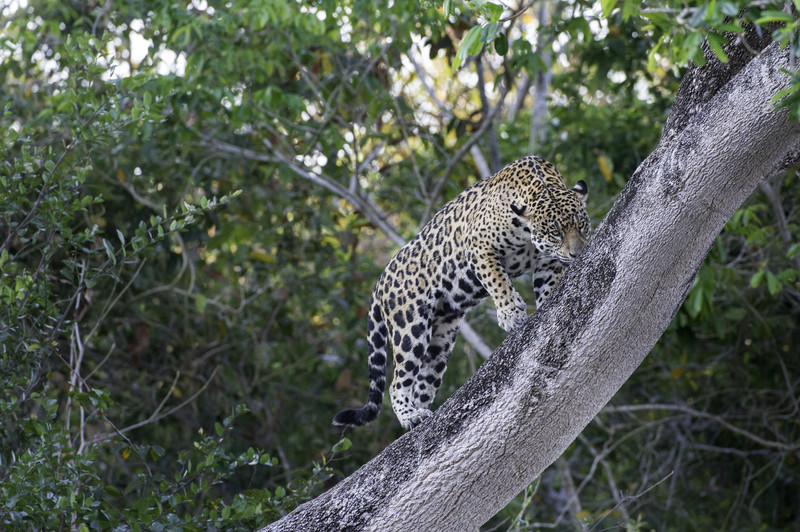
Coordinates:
column 448, row 8
column 109, row 251
column 488, row 32
column 342, row 445
column 735, row 314
column 729, row 9
column 652, row 66
column 773, row 284
column 470, row 40
column 699, row 16
column 716, row 42
column 755, row 280
column 696, row 302
column 495, row 11
column 200, row 302
column 692, row 48
column 772, row 15
column 629, row 9
column 785, row 94
column 608, row 6
column 501, row 44
column 729, row 28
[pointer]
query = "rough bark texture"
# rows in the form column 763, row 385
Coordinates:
column 550, row 377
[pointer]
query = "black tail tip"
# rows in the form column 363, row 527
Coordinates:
column 360, row 416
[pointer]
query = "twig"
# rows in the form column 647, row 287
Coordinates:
column 480, row 160
column 573, row 502
column 101, row 363
column 363, row 165
column 475, row 340
column 154, row 417
column 786, row 447
column 627, row 498
column 612, row 484
column 780, row 217
column 520, row 10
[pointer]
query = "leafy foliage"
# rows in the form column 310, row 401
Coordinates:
column 195, row 200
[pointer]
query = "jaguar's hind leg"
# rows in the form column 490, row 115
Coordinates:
column 429, row 378
column 410, row 340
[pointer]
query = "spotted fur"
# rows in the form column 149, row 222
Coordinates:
column 520, row 219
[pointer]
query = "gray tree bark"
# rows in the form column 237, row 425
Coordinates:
column 550, row 377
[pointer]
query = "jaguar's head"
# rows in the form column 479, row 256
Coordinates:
column 558, row 221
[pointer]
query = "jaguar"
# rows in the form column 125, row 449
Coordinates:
column 520, row 219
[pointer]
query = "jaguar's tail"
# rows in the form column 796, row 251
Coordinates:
column 376, row 340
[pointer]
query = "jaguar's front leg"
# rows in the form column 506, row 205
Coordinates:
column 545, row 277
column 511, row 308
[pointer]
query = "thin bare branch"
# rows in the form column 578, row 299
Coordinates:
column 491, row 132
column 480, row 161
column 786, row 447
column 455, row 159
column 361, row 203
column 155, row 416
column 774, row 200
column 630, row 498
column 426, row 84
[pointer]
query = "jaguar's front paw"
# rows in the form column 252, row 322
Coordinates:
column 509, row 318
column 415, row 418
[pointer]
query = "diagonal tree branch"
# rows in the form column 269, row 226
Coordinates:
column 364, row 205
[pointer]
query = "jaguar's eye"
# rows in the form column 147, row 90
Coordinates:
column 555, row 233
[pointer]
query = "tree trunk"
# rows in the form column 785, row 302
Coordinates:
column 550, row 377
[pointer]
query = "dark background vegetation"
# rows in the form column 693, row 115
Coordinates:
column 190, row 229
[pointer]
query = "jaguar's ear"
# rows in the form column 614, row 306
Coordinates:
column 519, row 211
column 581, row 188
